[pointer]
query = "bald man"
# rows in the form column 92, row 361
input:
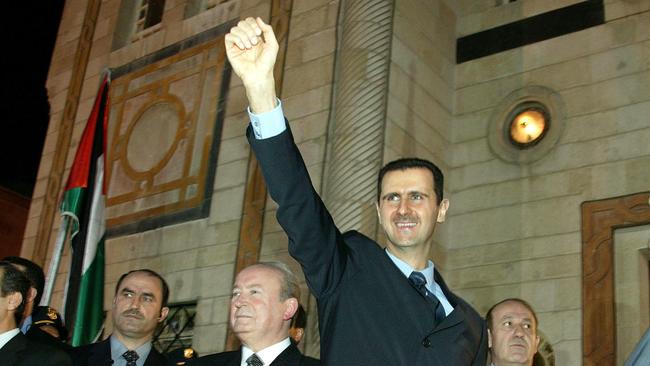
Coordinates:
column 512, row 333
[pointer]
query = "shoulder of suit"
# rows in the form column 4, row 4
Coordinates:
column 310, row 361
column 81, row 354
column 157, row 356
column 467, row 308
column 40, row 352
column 18, row 341
column 87, row 347
column 355, row 239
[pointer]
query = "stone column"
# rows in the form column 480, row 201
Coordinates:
column 356, row 128
column 356, row 134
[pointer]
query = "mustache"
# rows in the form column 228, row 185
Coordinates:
column 519, row 343
column 134, row 312
column 405, row 218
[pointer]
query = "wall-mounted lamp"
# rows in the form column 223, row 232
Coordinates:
column 528, row 123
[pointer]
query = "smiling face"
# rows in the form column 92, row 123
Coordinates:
column 137, row 307
column 512, row 336
column 408, row 209
column 258, row 315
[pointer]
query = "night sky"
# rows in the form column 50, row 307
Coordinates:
column 29, row 30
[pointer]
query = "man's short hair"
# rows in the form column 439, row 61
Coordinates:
column 413, row 163
column 163, row 283
column 13, row 280
column 488, row 316
column 34, row 274
column 289, row 287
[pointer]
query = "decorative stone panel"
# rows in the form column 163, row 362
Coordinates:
column 166, row 115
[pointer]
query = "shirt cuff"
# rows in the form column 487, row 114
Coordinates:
column 267, row 124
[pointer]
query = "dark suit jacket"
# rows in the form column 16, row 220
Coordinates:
column 99, row 354
column 20, row 351
column 289, row 357
column 369, row 314
column 41, row 337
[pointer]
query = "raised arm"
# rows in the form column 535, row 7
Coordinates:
column 252, row 49
column 314, row 240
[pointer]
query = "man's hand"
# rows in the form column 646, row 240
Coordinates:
column 251, row 48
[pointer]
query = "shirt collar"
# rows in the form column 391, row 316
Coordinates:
column 268, row 354
column 118, row 349
column 26, row 324
column 7, row 336
column 406, row 268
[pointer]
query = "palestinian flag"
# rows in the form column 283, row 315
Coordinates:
column 83, row 202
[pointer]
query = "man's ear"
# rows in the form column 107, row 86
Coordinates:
column 290, row 308
column 489, row 338
column 163, row 314
column 537, row 342
column 442, row 210
column 14, row 300
column 378, row 212
column 31, row 295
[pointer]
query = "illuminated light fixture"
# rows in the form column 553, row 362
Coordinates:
column 528, row 125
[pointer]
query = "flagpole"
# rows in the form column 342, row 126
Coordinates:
column 61, row 239
column 56, row 260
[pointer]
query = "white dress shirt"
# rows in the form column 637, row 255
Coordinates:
column 268, row 354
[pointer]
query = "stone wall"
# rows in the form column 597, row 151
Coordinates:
column 420, row 100
column 515, row 228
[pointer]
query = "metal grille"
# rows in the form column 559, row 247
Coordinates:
column 178, row 329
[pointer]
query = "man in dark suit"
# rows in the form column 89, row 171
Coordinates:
column 39, row 333
column 34, row 273
column 376, row 306
column 140, row 303
column 265, row 299
column 15, row 348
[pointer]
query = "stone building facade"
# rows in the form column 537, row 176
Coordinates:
column 185, row 199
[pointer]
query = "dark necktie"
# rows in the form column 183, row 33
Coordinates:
column 130, row 357
column 253, row 360
column 418, row 281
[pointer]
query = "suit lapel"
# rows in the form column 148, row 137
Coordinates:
column 100, row 354
column 236, row 361
column 154, row 358
column 456, row 316
column 289, row 357
column 11, row 351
